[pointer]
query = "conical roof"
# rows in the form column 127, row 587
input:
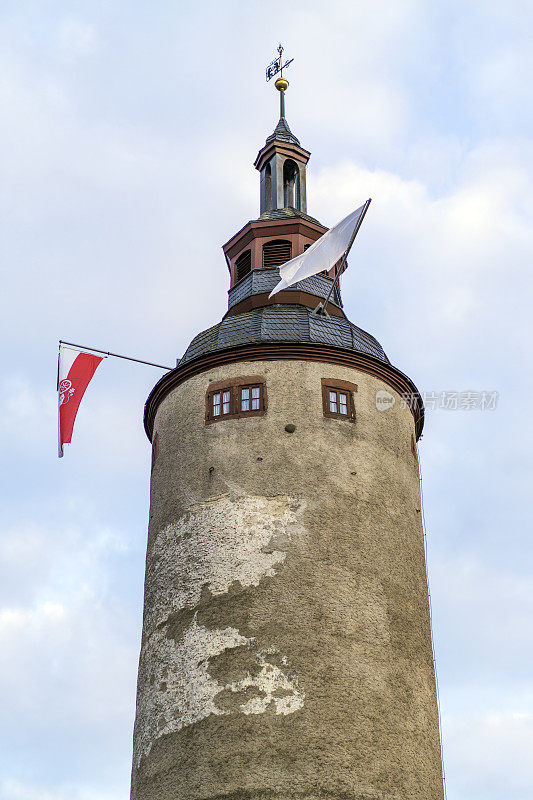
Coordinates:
column 282, row 133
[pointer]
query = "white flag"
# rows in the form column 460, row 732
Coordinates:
column 323, row 254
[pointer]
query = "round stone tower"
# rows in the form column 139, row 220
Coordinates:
column 286, row 649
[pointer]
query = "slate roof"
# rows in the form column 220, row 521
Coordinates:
column 288, row 213
column 262, row 281
column 282, row 323
column 282, row 133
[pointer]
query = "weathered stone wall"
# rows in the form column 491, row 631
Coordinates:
column 286, row 646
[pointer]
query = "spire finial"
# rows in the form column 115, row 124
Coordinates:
column 282, row 84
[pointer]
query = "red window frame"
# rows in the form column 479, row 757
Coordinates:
column 234, row 398
column 335, row 407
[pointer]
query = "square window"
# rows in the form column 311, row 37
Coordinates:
column 250, row 398
column 338, row 398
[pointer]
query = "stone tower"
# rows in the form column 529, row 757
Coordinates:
column 286, row 648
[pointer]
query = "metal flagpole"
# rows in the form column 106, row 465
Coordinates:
column 320, row 310
column 59, row 449
column 115, row 355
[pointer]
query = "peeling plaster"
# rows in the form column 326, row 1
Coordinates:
column 226, row 539
column 178, row 689
column 270, row 681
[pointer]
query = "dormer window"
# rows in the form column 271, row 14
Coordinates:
column 237, row 397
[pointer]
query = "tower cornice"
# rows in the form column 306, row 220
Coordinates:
column 279, row 352
column 286, row 149
column 265, row 228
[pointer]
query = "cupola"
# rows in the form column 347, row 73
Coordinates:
column 281, row 164
column 284, row 229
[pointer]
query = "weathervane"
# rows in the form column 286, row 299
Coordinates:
column 276, row 66
column 282, row 83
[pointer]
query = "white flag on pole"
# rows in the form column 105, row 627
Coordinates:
column 323, row 254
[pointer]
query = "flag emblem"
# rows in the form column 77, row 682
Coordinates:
column 66, row 391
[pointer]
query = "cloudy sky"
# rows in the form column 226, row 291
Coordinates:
column 127, row 145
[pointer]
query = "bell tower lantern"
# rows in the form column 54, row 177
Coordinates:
column 284, row 229
column 281, row 164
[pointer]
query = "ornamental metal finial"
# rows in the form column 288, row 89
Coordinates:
column 282, row 83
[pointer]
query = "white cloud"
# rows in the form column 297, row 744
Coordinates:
column 438, row 262
column 68, row 652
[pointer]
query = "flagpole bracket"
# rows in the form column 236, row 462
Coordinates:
column 320, row 311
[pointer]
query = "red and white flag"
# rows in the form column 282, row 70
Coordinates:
column 75, row 372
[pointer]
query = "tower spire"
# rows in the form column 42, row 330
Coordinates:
column 282, row 160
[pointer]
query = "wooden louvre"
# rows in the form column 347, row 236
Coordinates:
column 276, row 253
column 243, row 265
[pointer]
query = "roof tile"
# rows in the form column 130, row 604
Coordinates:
column 282, row 323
